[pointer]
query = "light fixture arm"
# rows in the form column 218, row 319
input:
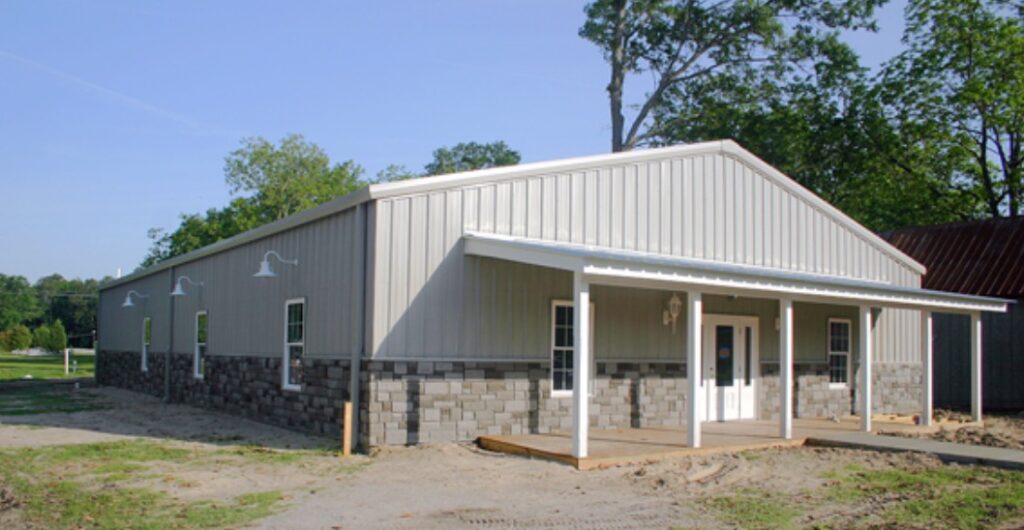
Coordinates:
column 274, row 253
column 137, row 294
column 190, row 281
column 179, row 290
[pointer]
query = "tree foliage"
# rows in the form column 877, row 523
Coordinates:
column 18, row 301
column 465, row 156
column 18, row 337
column 468, row 156
column 681, row 43
column 70, row 301
column 272, row 182
column 957, row 92
column 293, row 176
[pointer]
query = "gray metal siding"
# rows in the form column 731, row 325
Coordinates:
column 120, row 328
column 708, row 206
column 246, row 314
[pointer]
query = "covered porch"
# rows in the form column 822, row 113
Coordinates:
column 693, row 279
column 614, row 447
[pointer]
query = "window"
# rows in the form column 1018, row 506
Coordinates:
column 563, row 349
column 147, row 340
column 199, row 360
column 294, row 343
column 839, row 352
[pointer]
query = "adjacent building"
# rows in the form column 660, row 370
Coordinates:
column 982, row 258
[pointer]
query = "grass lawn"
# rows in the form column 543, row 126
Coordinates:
column 950, row 496
column 46, row 399
column 136, row 484
column 48, row 367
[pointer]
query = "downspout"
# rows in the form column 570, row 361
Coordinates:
column 359, row 353
column 170, row 344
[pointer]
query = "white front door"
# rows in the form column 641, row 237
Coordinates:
column 730, row 367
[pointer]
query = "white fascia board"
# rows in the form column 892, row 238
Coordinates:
column 726, row 284
column 625, row 267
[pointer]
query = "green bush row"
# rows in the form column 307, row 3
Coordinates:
column 50, row 337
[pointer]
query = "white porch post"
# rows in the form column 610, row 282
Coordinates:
column 786, row 368
column 865, row 350
column 927, row 349
column 694, row 324
column 581, row 366
column 975, row 366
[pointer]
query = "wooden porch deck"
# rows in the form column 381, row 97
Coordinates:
column 614, row 447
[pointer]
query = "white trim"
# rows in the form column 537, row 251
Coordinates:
column 642, row 269
column 196, row 372
column 286, row 352
column 559, row 394
column 848, row 353
column 144, row 358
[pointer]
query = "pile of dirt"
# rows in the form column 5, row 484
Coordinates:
column 7, row 499
column 1002, row 431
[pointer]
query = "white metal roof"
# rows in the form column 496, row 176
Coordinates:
column 641, row 269
column 469, row 178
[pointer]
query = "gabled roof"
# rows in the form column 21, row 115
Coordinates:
column 469, row 178
column 975, row 257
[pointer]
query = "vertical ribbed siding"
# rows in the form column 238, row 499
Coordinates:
column 246, row 314
column 708, row 206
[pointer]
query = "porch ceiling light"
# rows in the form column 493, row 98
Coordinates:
column 670, row 315
column 265, row 270
column 128, row 298
column 179, row 288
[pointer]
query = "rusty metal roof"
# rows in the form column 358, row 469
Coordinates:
column 975, row 257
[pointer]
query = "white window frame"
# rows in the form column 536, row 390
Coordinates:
column 847, row 353
column 196, row 372
column 555, row 304
column 286, row 354
column 144, row 360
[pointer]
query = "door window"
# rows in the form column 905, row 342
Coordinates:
column 724, row 355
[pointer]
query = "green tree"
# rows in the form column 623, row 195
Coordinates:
column 272, row 181
column 41, row 336
column 957, row 94
column 72, row 301
column 680, row 43
column 18, row 337
column 468, row 156
column 825, row 128
column 18, row 302
column 57, row 338
column 293, row 176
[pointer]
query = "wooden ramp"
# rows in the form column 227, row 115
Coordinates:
column 616, row 447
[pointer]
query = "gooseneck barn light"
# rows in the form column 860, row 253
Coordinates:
column 179, row 289
column 128, row 298
column 265, row 270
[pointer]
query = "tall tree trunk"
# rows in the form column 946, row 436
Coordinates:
column 615, row 86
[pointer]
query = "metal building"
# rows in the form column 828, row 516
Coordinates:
column 446, row 307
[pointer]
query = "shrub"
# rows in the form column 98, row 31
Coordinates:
column 5, row 341
column 58, row 337
column 18, row 337
column 41, row 337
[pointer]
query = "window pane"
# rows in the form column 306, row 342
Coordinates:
column 724, row 355
column 148, row 339
column 201, row 359
column 201, row 328
column 837, row 368
column 748, row 346
column 295, row 365
column 296, row 324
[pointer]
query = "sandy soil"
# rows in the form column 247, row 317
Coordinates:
column 450, row 485
column 999, row 430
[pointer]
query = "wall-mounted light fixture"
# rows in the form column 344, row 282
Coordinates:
column 128, row 298
column 670, row 315
column 179, row 289
column 265, row 270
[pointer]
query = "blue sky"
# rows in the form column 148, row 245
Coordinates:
column 116, row 116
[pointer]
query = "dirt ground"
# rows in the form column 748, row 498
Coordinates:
column 455, row 485
column 1000, row 430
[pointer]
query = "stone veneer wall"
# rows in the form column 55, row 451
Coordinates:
column 242, row 385
column 422, row 402
column 415, row 402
